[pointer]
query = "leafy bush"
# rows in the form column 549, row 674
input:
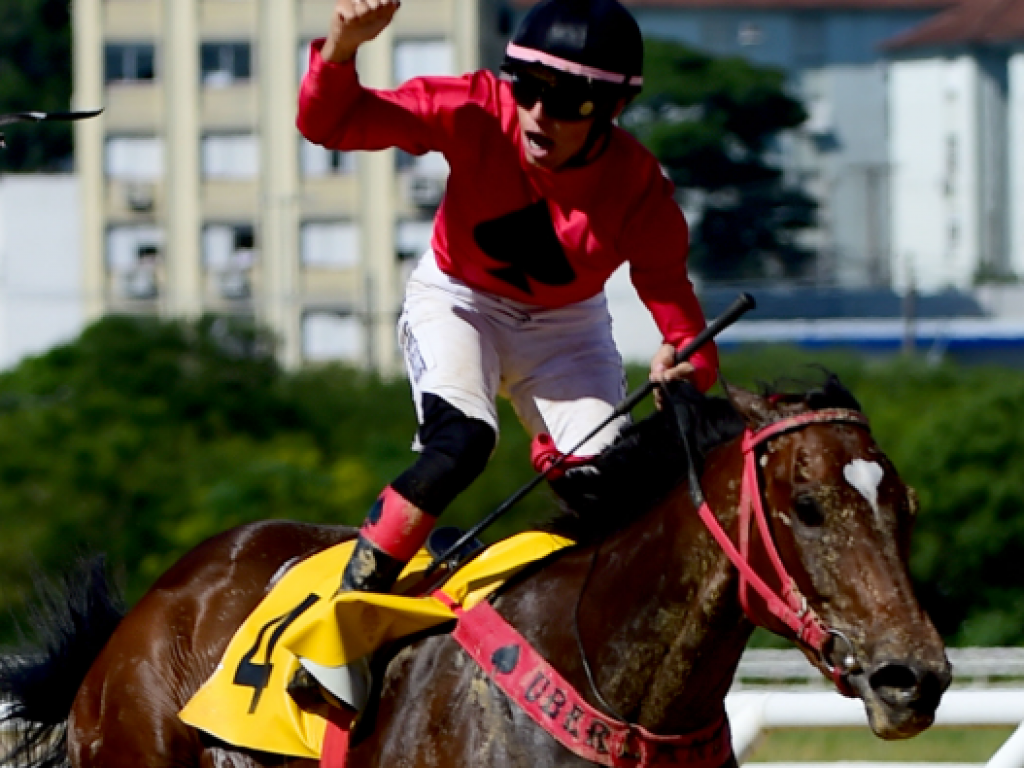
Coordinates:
column 35, row 74
column 142, row 438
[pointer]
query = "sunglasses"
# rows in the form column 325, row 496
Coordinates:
column 561, row 101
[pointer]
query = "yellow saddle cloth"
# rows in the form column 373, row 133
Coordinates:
column 245, row 701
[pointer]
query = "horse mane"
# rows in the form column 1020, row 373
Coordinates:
column 648, row 460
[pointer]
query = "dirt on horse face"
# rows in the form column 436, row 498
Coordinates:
column 645, row 617
column 846, row 518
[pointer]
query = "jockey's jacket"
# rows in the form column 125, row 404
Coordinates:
column 505, row 225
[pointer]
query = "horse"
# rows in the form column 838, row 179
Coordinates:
column 646, row 615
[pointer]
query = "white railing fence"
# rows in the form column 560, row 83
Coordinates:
column 780, row 689
column 751, row 714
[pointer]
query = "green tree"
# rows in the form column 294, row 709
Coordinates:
column 712, row 123
column 35, row 74
column 142, row 438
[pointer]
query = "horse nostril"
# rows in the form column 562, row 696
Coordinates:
column 896, row 676
column 906, row 686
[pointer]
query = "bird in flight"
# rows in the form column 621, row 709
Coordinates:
column 41, row 117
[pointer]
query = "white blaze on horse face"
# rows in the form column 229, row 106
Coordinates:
column 865, row 476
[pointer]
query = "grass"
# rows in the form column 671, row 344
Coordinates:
column 941, row 745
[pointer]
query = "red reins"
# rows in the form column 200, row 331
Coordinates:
column 790, row 606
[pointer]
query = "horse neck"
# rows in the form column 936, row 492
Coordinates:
column 673, row 647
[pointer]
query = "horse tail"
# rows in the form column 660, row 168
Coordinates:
column 72, row 621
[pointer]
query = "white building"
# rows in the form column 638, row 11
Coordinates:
column 830, row 53
column 41, row 301
column 956, row 95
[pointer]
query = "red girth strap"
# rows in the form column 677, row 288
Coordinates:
column 543, row 694
column 790, row 606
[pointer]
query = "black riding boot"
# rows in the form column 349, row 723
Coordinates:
column 370, row 569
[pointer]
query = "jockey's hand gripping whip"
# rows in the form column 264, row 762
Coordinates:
column 743, row 303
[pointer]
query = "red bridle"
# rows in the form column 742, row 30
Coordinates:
column 790, row 606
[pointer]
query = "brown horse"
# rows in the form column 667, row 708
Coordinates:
column 643, row 616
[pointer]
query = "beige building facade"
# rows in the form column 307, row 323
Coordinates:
column 199, row 195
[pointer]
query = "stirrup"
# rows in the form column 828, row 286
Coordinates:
column 312, row 697
column 443, row 538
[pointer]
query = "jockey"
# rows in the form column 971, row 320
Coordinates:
column 546, row 198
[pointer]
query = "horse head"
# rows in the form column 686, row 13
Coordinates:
column 840, row 519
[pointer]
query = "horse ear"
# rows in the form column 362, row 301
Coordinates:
column 754, row 409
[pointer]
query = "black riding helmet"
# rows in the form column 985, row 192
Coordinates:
column 579, row 58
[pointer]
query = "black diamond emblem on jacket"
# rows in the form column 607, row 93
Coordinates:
column 526, row 241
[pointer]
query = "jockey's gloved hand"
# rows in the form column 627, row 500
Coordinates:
column 580, row 488
column 576, row 480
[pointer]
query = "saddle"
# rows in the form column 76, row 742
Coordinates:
column 245, row 702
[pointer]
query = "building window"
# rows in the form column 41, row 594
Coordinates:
column 330, row 245
column 229, row 254
column 134, row 158
column 718, row 34
column 228, row 247
column 505, row 22
column 317, row 161
column 230, row 156
column 129, row 62
column 133, row 252
column 750, row 35
column 424, row 178
column 950, row 175
column 303, row 58
column 414, row 58
column 333, row 337
column 412, row 237
column 809, row 40
column 223, row 63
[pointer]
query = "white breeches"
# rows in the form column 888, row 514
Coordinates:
column 559, row 367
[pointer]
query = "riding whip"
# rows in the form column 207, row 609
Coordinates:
column 43, row 117
column 743, row 303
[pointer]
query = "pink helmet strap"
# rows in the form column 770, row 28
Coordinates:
column 532, row 56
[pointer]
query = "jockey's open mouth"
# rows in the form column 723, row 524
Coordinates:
column 537, row 141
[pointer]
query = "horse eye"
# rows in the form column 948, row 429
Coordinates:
column 807, row 511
